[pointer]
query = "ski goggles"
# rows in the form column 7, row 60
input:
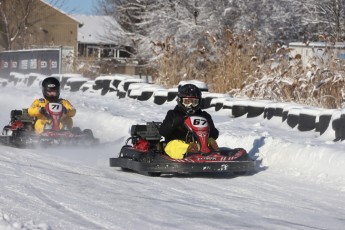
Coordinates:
column 190, row 102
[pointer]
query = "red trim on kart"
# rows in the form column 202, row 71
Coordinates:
column 16, row 125
column 57, row 134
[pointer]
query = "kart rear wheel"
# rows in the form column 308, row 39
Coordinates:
column 88, row 133
column 126, row 169
column 76, row 130
column 241, row 173
column 154, row 174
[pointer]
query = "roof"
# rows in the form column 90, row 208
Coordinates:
column 59, row 10
column 96, row 29
column 317, row 44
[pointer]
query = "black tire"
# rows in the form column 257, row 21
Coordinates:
column 88, row 133
column 126, row 170
column 5, row 130
column 76, row 130
column 241, row 173
column 154, row 174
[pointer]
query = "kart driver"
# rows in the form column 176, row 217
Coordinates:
column 174, row 130
column 51, row 93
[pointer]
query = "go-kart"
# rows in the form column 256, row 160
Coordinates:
column 20, row 130
column 146, row 153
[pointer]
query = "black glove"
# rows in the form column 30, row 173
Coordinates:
column 44, row 112
column 64, row 110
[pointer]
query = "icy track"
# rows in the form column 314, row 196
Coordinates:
column 299, row 182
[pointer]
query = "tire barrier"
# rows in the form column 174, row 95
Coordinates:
column 308, row 119
column 3, row 82
column 218, row 103
column 134, row 90
column 209, row 97
column 256, row 108
column 303, row 118
column 206, row 102
column 292, row 116
column 74, row 84
column 218, row 106
column 145, row 95
column 338, row 125
column 172, row 93
column 239, row 108
column 273, row 110
column 143, row 91
column 160, row 96
column 269, row 112
column 325, row 117
column 254, row 111
column 227, row 105
column 103, row 84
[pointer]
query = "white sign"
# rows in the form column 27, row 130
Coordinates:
column 24, row 64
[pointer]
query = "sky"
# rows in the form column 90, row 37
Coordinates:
column 298, row 182
column 77, row 6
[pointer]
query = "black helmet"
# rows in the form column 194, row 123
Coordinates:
column 51, row 84
column 189, row 98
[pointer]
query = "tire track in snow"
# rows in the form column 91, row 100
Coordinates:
column 69, row 214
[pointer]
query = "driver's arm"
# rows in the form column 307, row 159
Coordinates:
column 70, row 110
column 34, row 109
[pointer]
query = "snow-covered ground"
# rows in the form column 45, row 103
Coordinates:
column 299, row 182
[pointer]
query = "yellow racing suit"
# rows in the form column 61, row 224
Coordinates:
column 42, row 120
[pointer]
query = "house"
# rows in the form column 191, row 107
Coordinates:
column 69, row 37
column 89, row 35
column 100, row 36
column 53, row 28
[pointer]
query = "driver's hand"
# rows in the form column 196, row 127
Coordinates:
column 44, row 112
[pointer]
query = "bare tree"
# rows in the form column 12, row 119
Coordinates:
column 325, row 18
column 151, row 22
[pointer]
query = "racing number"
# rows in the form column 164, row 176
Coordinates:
column 199, row 121
column 55, row 106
